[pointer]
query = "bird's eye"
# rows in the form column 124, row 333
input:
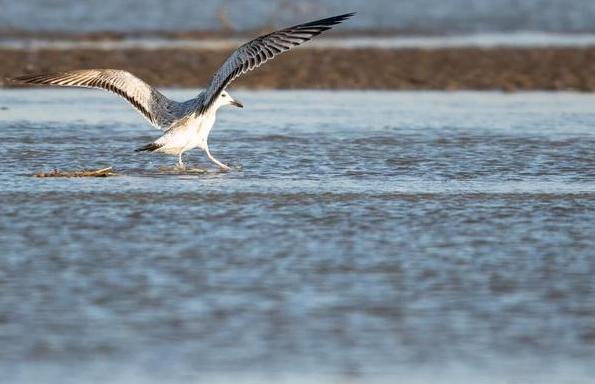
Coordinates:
column 222, row 95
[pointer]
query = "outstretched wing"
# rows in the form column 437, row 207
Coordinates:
column 263, row 48
column 154, row 106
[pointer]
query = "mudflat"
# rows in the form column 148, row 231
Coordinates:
column 472, row 68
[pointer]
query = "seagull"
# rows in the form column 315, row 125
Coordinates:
column 186, row 125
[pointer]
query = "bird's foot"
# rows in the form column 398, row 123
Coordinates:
column 224, row 168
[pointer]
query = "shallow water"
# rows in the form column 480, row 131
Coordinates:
column 420, row 16
column 364, row 236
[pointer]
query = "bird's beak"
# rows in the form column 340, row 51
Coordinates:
column 237, row 104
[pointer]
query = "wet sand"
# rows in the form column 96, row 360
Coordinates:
column 473, row 68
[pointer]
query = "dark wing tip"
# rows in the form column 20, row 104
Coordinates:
column 331, row 20
column 31, row 79
column 345, row 16
column 22, row 78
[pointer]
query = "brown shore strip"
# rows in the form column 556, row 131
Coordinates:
column 507, row 69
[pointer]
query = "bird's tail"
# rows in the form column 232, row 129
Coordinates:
column 149, row 147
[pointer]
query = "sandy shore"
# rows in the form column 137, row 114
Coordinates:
column 571, row 68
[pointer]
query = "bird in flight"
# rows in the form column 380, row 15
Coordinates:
column 186, row 125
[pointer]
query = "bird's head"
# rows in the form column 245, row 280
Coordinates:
column 225, row 99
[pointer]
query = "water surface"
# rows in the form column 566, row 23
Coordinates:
column 363, row 236
column 420, row 16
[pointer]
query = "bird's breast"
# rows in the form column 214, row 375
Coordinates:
column 203, row 126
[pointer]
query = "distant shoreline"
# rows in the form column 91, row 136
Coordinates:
column 458, row 68
column 343, row 41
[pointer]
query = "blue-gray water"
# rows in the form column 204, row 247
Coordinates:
column 420, row 16
column 430, row 237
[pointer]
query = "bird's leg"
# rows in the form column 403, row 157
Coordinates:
column 220, row 164
column 180, row 162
